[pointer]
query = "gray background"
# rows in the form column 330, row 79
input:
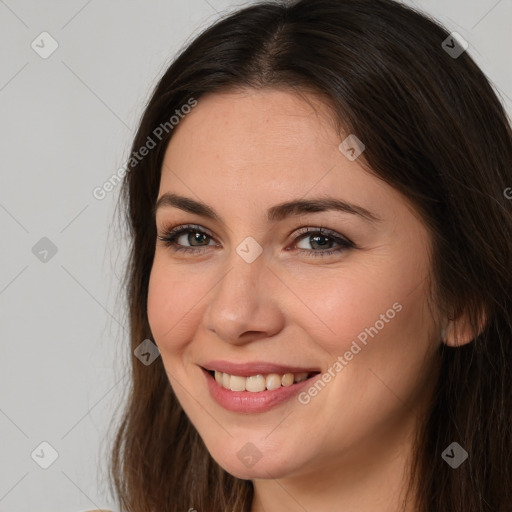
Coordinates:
column 66, row 127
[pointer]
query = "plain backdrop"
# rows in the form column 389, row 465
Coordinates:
column 66, row 124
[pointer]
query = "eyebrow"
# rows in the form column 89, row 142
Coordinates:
column 274, row 214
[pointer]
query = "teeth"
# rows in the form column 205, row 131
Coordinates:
column 273, row 381
column 255, row 383
column 258, row 383
column 287, row 379
column 236, row 383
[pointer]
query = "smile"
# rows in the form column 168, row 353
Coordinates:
column 258, row 383
column 257, row 390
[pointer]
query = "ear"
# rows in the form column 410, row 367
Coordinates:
column 459, row 332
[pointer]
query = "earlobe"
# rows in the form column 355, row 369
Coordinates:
column 459, row 332
column 454, row 336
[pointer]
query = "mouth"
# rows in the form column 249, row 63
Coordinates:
column 260, row 382
column 255, row 387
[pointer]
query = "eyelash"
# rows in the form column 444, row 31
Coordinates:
column 170, row 235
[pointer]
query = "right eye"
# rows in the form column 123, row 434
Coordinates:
column 171, row 237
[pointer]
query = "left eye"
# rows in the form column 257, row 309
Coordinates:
column 319, row 237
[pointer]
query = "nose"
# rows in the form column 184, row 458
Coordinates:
column 244, row 304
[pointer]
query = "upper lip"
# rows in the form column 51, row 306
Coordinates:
column 255, row 368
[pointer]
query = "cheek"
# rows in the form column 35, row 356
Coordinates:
column 340, row 307
column 160, row 302
column 381, row 307
column 384, row 339
column 379, row 327
column 173, row 305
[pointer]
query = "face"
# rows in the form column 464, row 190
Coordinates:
column 260, row 291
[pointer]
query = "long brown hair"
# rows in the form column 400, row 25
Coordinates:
column 435, row 130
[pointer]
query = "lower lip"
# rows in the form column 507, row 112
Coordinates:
column 249, row 402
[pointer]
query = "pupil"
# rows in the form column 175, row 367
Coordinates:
column 316, row 237
column 198, row 236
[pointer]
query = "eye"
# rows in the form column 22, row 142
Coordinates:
column 320, row 237
column 188, row 233
column 175, row 238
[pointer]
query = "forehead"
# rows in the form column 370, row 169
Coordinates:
column 252, row 119
column 264, row 147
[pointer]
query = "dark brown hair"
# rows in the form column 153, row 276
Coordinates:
column 435, row 130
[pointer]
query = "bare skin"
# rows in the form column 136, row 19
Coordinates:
column 348, row 447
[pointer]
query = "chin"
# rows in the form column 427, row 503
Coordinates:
column 248, row 463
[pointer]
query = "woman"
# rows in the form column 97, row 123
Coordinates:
column 321, row 253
